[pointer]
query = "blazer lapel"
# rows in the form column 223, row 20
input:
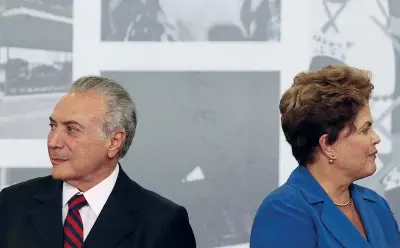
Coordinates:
column 47, row 216
column 333, row 219
column 116, row 220
column 365, row 202
column 341, row 227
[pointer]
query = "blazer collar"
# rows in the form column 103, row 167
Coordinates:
column 47, row 215
column 313, row 192
column 117, row 216
column 331, row 216
column 120, row 215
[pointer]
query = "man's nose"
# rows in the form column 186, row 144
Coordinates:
column 55, row 139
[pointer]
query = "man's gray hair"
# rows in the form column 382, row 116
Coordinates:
column 121, row 108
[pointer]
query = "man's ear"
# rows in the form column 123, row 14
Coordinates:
column 116, row 140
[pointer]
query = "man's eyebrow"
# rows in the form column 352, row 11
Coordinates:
column 69, row 122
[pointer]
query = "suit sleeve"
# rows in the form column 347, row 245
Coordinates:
column 284, row 225
column 178, row 233
column 3, row 221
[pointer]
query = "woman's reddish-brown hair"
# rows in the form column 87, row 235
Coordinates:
column 322, row 102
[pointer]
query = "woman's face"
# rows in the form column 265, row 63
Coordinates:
column 355, row 153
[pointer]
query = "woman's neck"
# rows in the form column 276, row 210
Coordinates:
column 334, row 184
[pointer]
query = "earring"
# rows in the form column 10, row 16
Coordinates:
column 331, row 161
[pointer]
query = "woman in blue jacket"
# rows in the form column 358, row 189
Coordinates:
column 326, row 118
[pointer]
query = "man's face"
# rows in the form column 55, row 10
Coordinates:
column 75, row 143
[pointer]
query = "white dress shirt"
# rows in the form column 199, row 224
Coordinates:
column 96, row 198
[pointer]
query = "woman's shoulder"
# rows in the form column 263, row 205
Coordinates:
column 283, row 220
column 284, row 194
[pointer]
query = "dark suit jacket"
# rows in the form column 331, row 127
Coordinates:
column 31, row 216
column 301, row 214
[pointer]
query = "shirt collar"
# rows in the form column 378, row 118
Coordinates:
column 96, row 196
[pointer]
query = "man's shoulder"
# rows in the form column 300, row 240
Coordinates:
column 148, row 199
column 156, row 202
column 29, row 187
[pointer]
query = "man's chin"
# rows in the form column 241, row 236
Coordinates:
column 56, row 176
column 60, row 173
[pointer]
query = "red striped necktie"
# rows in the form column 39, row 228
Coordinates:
column 73, row 225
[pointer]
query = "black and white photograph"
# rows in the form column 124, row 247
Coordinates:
column 35, row 70
column 35, row 46
column 195, row 20
column 208, row 140
column 337, row 38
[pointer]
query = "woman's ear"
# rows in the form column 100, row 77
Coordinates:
column 326, row 148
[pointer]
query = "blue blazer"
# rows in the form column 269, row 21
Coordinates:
column 300, row 214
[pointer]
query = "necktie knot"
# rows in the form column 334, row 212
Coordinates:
column 77, row 202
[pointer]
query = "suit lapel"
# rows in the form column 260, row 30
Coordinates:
column 117, row 219
column 365, row 203
column 47, row 216
column 340, row 227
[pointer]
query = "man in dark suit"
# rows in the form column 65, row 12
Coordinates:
column 89, row 201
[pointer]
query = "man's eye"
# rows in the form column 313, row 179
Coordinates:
column 71, row 129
